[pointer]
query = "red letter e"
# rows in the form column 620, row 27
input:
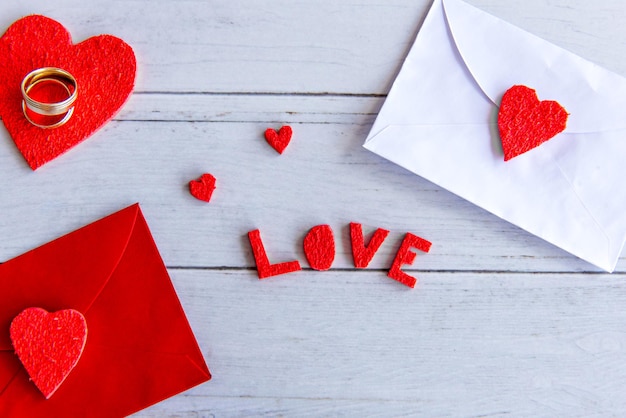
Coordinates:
column 405, row 256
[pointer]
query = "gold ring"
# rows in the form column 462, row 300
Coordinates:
column 64, row 107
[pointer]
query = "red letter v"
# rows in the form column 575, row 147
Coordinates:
column 363, row 254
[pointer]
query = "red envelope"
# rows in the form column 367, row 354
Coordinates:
column 140, row 348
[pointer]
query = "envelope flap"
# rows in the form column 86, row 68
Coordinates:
column 500, row 55
column 141, row 331
column 11, row 366
column 68, row 272
column 139, row 309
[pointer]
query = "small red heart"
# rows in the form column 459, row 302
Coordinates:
column 202, row 189
column 49, row 345
column 525, row 123
column 104, row 68
column 279, row 140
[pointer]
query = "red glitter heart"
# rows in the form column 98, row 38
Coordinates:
column 202, row 189
column 49, row 345
column 104, row 68
column 525, row 123
column 279, row 140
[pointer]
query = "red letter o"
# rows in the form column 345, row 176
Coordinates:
column 319, row 247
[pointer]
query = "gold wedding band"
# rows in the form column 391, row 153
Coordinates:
column 64, row 107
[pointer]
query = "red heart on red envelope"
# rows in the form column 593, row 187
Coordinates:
column 104, row 68
column 48, row 344
column 525, row 123
column 279, row 140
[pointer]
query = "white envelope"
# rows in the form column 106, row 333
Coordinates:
column 439, row 121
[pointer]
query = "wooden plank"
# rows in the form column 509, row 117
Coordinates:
column 324, row 177
column 344, row 343
column 315, row 46
column 271, row 109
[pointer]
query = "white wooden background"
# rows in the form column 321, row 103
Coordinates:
column 501, row 323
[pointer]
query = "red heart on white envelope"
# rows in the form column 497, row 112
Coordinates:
column 525, row 123
column 104, row 68
column 49, row 345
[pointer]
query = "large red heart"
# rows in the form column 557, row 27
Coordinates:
column 48, row 344
column 104, row 68
column 525, row 123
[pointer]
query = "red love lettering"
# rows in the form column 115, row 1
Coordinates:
column 319, row 249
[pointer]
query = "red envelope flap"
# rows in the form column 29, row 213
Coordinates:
column 127, row 383
column 140, row 348
column 139, row 309
column 10, row 367
column 67, row 273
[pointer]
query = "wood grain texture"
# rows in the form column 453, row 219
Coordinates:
column 461, row 344
column 501, row 323
column 305, row 47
